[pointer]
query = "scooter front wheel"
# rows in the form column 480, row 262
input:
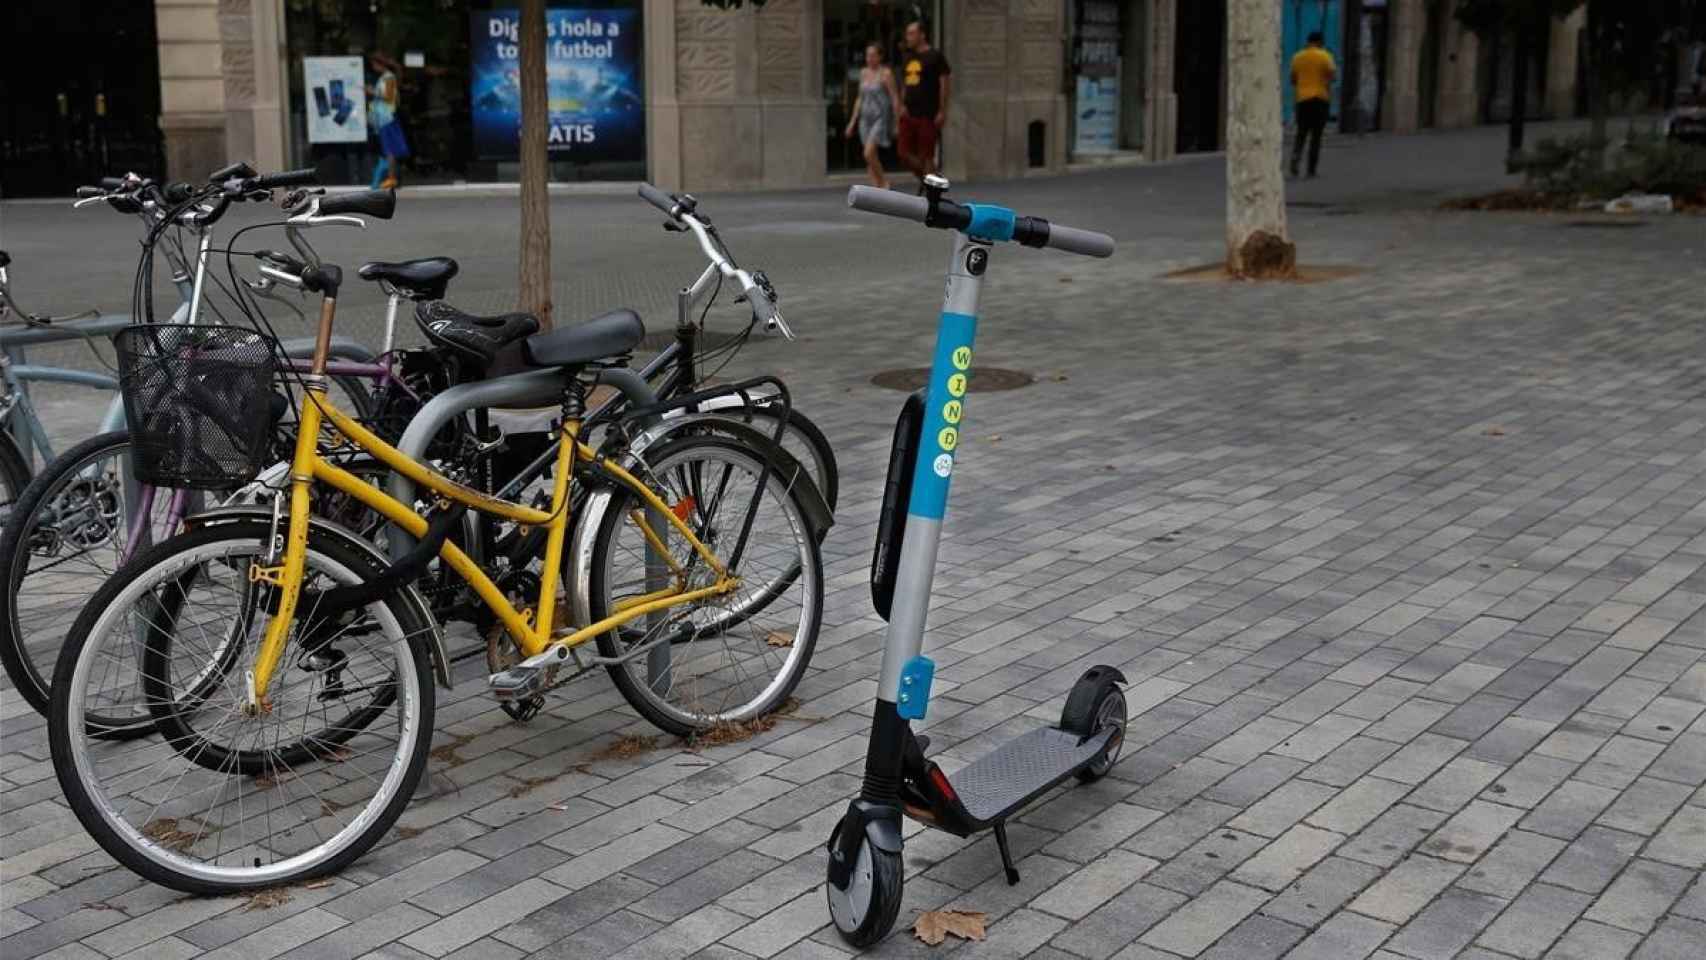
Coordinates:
column 866, row 910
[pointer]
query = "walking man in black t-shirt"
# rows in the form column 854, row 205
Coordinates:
column 924, row 87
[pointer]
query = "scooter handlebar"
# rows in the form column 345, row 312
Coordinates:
column 1029, row 231
column 889, row 203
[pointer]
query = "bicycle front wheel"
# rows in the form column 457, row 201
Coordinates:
column 225, row 800
column 725, row 659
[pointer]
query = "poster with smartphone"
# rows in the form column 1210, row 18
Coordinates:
column 592, row 65
column 337, row 99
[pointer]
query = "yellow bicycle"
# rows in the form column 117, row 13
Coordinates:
column 288, row 665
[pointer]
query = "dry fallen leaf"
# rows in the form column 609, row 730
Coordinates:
column 777, row 638
column 995, row 438
column 267, row 899
column 1494, row 431
column 934, row 926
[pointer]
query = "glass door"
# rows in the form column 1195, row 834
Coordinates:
column 848, row 27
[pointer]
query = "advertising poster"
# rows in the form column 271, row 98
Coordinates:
column 337, row 99
column 1096, row 91
column 1098, row 107
column 592, row 66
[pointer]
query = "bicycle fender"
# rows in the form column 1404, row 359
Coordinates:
column 784, row 463
column 261, row 513
column 586, row 524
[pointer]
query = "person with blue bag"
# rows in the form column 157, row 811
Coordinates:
column 382, row 100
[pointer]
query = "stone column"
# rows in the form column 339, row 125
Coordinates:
column 663, row 106
column 192, row 86
column 1459, row 52
column 745, row 110
column 979, row 48
column 1160, row 102
column 267, row 104
column 790, row 79
column 1561, row 64
column 1400, row 113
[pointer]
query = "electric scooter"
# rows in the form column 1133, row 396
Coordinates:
column 865, row 870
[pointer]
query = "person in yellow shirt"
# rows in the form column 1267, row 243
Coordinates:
column 1312, row 72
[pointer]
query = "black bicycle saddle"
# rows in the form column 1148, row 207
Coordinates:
column 477, row 338
column 604, row 337
column 423, row 279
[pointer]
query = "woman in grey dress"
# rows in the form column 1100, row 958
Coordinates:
column 874, row 111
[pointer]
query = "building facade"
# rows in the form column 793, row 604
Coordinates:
column 696, row 97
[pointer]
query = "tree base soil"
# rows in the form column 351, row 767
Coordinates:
column 1301, row 273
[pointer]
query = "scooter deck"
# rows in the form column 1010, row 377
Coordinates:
column 1006, row 778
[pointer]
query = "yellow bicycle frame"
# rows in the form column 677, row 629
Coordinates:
column 532, row 629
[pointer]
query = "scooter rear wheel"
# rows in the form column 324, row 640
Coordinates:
column 1094, row 705
column 865, row 912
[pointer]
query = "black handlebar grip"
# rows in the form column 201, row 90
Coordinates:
column 176, row 193
column 379, row 204
column 236, row 171
column 110, row 184
column 288, row 178
column 657, row 198
column 84, row 193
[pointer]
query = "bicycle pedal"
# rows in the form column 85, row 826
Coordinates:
column 517, row 683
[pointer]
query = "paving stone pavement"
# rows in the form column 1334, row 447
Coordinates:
column 1407, row 573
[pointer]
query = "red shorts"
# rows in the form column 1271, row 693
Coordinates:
column 918, row 137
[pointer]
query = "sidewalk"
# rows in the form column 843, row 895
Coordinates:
column 1407, row 573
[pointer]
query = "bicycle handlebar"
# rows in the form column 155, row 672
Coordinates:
column 758, row 290
column 657, row 198
column 306, row 177
column 380, row 204
column 1029, row 231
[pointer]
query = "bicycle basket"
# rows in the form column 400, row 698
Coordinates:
column 198, row 398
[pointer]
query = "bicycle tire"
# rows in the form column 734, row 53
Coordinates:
column 32, row 679
column 15, row 471
column 805, row 563
column 165, row 859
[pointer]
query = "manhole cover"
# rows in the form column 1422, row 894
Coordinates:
column 983, row 379
column 1605, row 224
column 707, row 340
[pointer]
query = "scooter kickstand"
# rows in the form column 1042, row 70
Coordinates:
column 1006, row 854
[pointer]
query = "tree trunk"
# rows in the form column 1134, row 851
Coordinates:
column 1257, row 242
column 535, row 166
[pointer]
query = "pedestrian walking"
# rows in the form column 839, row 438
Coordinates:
column 382, row 100
column 1312, row 72
column 925, row 83
column 874, row 112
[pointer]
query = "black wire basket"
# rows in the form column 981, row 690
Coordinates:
column 199, row 401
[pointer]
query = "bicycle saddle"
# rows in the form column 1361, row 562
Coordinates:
column 423, row 279
column 478, row 338
column 5, row 259
column 607, row 335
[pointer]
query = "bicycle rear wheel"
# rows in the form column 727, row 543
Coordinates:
column 66, row 536
column 227, row 801
column 727, row 659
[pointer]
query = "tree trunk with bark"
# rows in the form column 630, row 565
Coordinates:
column 1258, row 245
column 535, row 166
